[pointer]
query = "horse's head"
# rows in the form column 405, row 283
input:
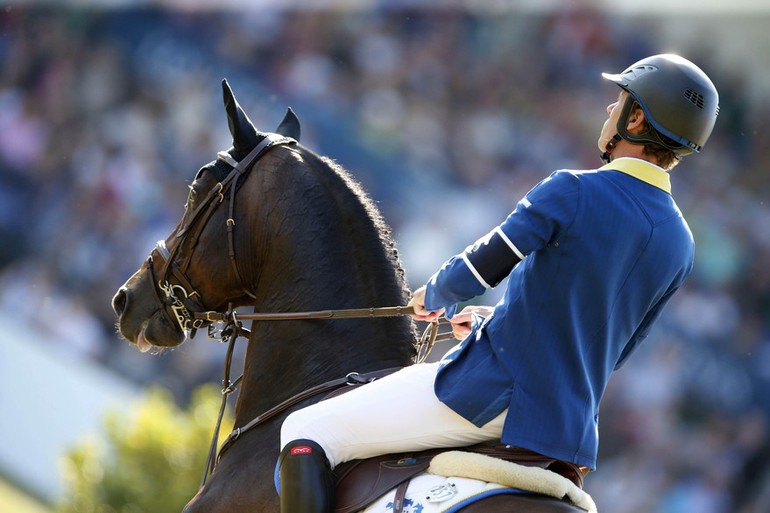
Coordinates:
column 194, row 269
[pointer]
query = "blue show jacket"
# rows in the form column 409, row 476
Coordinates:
column 593, row 256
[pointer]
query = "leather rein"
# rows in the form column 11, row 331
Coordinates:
column 181, row 304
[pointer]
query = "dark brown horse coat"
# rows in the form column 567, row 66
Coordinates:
column 303, row 236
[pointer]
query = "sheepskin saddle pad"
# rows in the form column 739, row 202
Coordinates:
column 456, row 479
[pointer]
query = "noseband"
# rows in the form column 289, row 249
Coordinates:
column 179, row 301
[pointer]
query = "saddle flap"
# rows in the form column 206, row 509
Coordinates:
column 360, row 482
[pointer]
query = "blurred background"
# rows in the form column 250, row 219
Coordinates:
column 447, row 112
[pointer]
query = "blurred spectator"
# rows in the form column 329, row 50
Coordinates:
column 106, row 115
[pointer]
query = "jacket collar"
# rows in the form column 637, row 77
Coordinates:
column 641, row 170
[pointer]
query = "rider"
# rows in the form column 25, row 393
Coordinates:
column 593, row 256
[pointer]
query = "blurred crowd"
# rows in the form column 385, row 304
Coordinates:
column 448, row 118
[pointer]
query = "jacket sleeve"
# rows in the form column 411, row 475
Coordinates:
column 538, row 218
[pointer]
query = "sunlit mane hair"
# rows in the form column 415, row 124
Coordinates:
column 366, row 207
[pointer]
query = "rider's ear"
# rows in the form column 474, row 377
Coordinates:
column 244, row 134
column 636, row 120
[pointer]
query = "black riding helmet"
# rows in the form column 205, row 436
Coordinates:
column 678, row 99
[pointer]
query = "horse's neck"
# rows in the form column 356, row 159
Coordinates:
column 319, row 264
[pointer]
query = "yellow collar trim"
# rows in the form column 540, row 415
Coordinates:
column 642, row 170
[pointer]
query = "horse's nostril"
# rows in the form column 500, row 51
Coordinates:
column 119, row 301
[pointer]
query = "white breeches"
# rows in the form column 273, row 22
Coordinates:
column 397, row 413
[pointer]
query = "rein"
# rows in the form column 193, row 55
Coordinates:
column 233, row 329
column 352, row 313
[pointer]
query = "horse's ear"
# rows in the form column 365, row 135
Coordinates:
column 289, row 126
column 244, row 134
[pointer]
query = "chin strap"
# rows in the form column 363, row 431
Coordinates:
column 606, row 156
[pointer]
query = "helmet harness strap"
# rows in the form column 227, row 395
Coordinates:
column 651, row 136
column 607, row 155
column 622, row 133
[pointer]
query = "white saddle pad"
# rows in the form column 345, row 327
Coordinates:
column 457, row 478
column 429, row 493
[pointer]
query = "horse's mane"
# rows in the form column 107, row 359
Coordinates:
column 356, row 202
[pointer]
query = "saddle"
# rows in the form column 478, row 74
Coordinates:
column 359, row 482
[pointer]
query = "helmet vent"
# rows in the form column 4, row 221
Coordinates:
column 636, row 72
column 695, row 98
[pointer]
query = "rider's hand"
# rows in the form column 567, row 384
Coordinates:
column 461, row 322
column 418, row 304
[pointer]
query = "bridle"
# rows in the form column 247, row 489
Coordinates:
column 179, row 302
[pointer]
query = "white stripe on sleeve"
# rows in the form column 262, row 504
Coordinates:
column 475, row 272
column 511, row 245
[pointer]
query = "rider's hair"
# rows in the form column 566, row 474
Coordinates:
column 665, row 158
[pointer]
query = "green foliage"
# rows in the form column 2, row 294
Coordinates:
column 149, row 459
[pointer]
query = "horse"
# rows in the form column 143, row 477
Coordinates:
column 274, row 226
